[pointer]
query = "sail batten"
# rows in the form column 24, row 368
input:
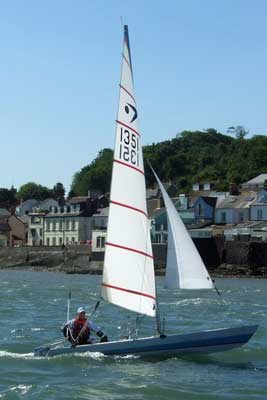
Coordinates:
column 128, row 274
column 185, row 268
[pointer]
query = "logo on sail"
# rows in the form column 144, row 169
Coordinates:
column 129, row 107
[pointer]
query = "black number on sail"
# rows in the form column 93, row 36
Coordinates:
column 129, row 147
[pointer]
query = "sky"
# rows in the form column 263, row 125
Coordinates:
column 197, row 65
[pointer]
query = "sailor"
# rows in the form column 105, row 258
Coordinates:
column 78, row 330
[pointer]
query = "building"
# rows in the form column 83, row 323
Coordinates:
column 36, row 228
column 256, row 183
column 100, row 219
column 18, row 229
column 251, row 230
column 158, row 219
column 234, row 209
column 71, row 224
column 204, row 209
column 99, row 238
column 5, row 229
column 258, row 209
column 5, row 234
column 26, row 207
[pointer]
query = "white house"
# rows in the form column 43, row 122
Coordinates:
column 256, row 183
column 258, row 210
column 234, row 209
column 67, row 225
column 36, row 228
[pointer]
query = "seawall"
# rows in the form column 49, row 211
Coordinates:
column 235, row 258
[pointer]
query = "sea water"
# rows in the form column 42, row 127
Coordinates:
column 33, row 305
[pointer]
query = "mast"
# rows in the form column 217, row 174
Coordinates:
column 128, row 274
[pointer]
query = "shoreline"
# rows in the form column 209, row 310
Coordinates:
column 79, row 259
column 158, row 272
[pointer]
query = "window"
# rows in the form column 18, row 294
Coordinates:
column 60, row 225
column 259, row 214
column 73, row 225
column 223, row 217
column 54, row 226
column 200, row 210
column 41, row 232
column 73, row 239
column 67, row 225
column 98, row 242
column 60, row 240
column 158, row 238
column 47, row 241
column 47, row 226
column 103, row 241
column 241, row 217
column 54, row 241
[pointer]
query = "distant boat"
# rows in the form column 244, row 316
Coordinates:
column 128, row 276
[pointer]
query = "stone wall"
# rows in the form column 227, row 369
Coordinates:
column 225, row 258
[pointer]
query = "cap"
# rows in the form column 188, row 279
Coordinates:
column 80, row 310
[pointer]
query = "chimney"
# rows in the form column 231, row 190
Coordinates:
column 233, row 189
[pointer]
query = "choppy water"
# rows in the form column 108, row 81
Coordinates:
column 33, row 305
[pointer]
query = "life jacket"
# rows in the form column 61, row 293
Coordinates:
column 78, row 325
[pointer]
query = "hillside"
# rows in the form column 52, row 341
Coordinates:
column 188, row 158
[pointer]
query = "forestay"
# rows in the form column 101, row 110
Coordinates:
column 185, row 268
column 128, row 275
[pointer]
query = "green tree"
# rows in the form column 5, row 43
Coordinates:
column 32, row 190
column 190, row 157
column 59, row 193
column 96, row 175
column 7, row 197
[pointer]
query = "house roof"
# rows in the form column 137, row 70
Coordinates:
column 28, row 202
column 4, row 227
column 4, row 212
column 24, row 219
column 102, row 212
column 158, row 211
column 150, row 193
column 211, row 201
column 43, row 202
column 257, row 180
column 199, row 193
column 77, row 200
column 243, row 200
column 82, row 213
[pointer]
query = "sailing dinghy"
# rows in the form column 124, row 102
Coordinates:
column 128, row 276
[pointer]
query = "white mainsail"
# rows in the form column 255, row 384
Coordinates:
column 185, row 268
column 128, row 274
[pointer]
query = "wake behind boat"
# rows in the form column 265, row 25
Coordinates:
column 128, row 276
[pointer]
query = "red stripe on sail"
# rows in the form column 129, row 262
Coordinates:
column 128, row 165
column 128, row 291
column 127, row 206
column 129, row 249
column 127, row 91
column 127, row 126
column 127, row 61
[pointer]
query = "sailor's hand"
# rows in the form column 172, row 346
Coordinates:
column 104, row 339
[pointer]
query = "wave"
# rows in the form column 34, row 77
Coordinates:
column 8, row 354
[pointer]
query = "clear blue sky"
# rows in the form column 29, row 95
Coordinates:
column 197, row 64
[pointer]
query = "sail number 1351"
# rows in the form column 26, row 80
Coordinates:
column 129, row 147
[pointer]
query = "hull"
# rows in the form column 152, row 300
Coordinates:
column 204, row 342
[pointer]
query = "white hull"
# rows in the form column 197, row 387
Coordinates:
column 210, row 341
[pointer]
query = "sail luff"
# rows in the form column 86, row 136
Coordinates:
column 185, row 268
column 128, row 274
